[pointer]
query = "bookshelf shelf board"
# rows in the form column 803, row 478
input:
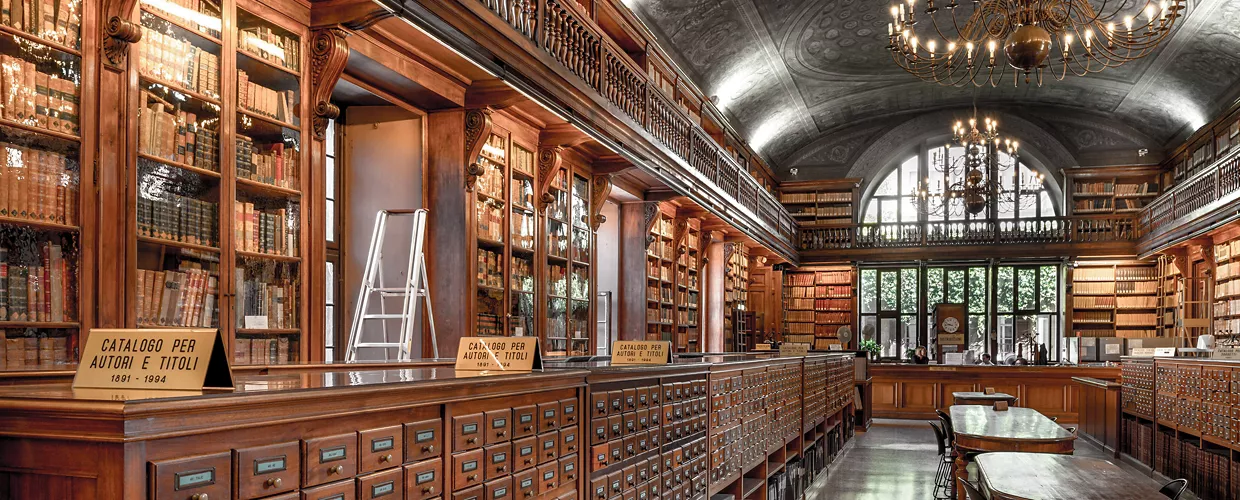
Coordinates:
column 1083, row 294
column 149, row 78
column 266, row 256
column 490, row 243
column 490, row 288
column 577, row 263
column 1127, row 210
column 557, row 258
column 523, row 208
column 1093, row 195
column 1131, row 308
column 247, row 55
column 522, row 250
column 841, row 222
column 1092, row 322
column 1093, row 308
column 39, row 40
column 181, row 24
column 38, row 224
column 268, row 331
column 42, row 131
column 39, row 324
column 554, row 296
column 482, row 196
column 514, row 290
column 1138, row 195
column 257, row 187
column 177, row 244
column 266, row 119
column 189, row 168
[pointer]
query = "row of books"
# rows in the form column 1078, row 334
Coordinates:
column 1095, row 333
column 38, row 185
column 38, row 99
column 1227, row 326
column 1107, row 187
column 799, row 316
column 835, row 197
column 1130, row 204
column 1093, row 274
column 1136, row 334
column 1136, row 319
column 185, row 297
column 1224, row 251
column 272, row 233
column 1138, row 302
column 1091, row 317
column 1227, row 289
column 1227, row 271
column 656, row 315
column 59, row 21
column 179, row 62
column 799, row 328
column 490, row 270
column 557, row 280
column 656, row 271
column 798, row 279
column 522, row 194
column 833, row 305
column 36, row 287
column 267, row 299
column 19, row 350
column 1092, row 205
column 522, row 160
column 491, row 182
column 263, row 43
column 835, row 212
column 178, row 218
column 833, row 278
column 1093, row 288
column 1136, row 273
column 1229, row 307
column 1093, row 302
column 823, row 239
column 271, row 164
column 164, row 131
column 1136, row 188
column 490, row 221
column 176, row 9
column 1135, row 287
column 521, row 274
column 835, row 318
column 265, row 350
column 260, row 100
column 523, row 230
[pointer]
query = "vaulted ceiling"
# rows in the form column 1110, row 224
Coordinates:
column 810, row 83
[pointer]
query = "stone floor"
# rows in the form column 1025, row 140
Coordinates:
column 895, row 460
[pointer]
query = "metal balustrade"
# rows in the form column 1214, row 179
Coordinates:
column 1041, row 230
column 1177, row 206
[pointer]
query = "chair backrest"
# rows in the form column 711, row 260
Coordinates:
column 939, row 439
column 1174, row 489
column 947, row 427
column 970, row 491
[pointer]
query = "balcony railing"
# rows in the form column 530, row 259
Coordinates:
column 1210, row 188
column 1043, row 230
column 572, row 39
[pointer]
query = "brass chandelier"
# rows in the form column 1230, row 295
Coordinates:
column 973, row 177
column 1023, row 33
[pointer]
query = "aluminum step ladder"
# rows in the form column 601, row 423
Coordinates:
column 414, row 290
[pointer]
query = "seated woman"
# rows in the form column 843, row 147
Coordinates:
column 920, row 357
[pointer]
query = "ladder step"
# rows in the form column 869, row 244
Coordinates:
column 387, row 290
column 379, row 344
column 383, row 316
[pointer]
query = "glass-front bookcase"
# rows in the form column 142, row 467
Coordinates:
column 217, row 211
column 40, row 186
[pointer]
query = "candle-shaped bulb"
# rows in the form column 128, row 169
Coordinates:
column 901, row 11
column 968, row 47
column 1089, row 35
column 1067, row 42
column 891, row 30
column 1128, row 23
column 930, row 46
column 972, row 122
column 895, row 12
column 913, row 44
column 1150, row 12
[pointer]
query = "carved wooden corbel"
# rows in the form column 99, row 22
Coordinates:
column 119, row 34
column 328, row 55
column 680, row 228
column 707, row 237
column 650, row 215
column 549, row 161
column 477, row 131
column 599, row 192
column 728, row 250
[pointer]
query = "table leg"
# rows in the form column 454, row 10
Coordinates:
column 962, row 474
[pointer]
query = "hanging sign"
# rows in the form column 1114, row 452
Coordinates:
column 498, row 354
column 790, row 349
column 1226, row 353
column 161, row 359
column 641, row 352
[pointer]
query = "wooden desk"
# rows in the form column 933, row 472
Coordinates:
column 1019, row 476
column 981, row 398
column 981, row 429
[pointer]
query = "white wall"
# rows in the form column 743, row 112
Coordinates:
column 608, row 262
column 383, row 170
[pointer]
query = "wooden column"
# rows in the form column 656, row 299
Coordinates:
column 712, row 293
column 448, row 239
column 635, row 219
column 107, row 32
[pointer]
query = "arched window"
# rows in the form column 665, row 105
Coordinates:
column 895, row 200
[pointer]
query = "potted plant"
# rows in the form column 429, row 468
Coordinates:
column 871, row 347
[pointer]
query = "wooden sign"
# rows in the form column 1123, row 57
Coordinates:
column 1164, row 352
column 762, row 347
column 988, row 391
column 1001, row 406
column 949, row 339
column 1226, row 353
column 1143, row 352
column 790, row 349
column 162, row 359
column 498, row 354
column 641, row 352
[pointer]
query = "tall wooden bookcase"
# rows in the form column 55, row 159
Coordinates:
column 1111, row 190
column 568, row 310
column 687, row 241
column 735, row 294
column 219, row 162
column 1110, row 299
column 818, row 304
column 46, row 135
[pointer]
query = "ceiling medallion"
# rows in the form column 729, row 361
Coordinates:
column 973, row 175
column 965, row 51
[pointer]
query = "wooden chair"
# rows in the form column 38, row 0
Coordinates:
column 1174, row 489
column 970, row 491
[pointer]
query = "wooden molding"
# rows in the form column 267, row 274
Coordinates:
column 729, row 248
column 599, row 191
column 563, row 134
column 493, row 93
column 119, row 34
column 707, row 238
column 549, row 163
column 650, row 214
column 328, row 55
column 680, row 229
column 355, row 15
column 478, row 127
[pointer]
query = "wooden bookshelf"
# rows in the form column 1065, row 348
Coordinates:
column 1226, row 308
column 1168, row 301
column 688, row 295
column 661, row 256
column 45, row 300
column 217, row 178
column 1110, row 299
column 823, row 210
column 735, row 294
column 1111, row 190
column 818, row 303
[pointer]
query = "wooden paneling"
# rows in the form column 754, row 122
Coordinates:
column 912, row 391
